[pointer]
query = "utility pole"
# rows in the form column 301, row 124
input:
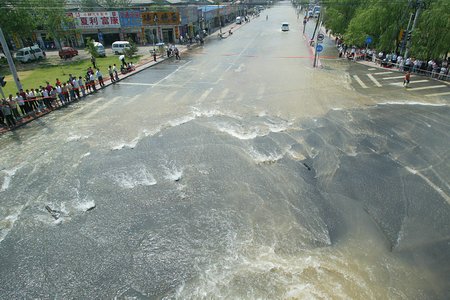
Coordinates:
column 419, row 5
column 12, row 66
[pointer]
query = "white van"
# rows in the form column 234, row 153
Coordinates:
column 119, row 46
column 285, row 26
column 238, row 20
column 30, row 54
column 100, row 49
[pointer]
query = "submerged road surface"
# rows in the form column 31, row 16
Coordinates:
column 238, row 172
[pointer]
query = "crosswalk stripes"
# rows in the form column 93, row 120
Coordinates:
column 374, row 80
column 393, row 79
column 411, row 83
column 438, row 94
column 360, row 82
column 427, row 87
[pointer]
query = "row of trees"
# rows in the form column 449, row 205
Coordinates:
column 385, row 20
column 23, row 17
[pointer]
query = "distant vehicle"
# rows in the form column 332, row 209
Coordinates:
column 28, row 54
column 285, row 26
column 310, row 14
column 100, row 49
column 316, row 11
column 239, row 20
column 119, row 46
column 67, row 52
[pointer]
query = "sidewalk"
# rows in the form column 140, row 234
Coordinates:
column 144, row 64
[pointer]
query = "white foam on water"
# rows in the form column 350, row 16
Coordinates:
column 411, row 103
column 7, row 177
column 240, row 132
column 7, row 224
column 85, row 205
column 181, row 121
column 75, row 138
column 132, row 177
column 295, row 155
column 173, row 173
column 129, row 145
column 263, row 158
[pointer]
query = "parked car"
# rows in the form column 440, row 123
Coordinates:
column 239, row 20
column 28, row 54
column 100, row 49
column 119, row 46
column 67, row 52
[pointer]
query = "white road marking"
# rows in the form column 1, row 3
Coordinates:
column 372, row 69
column 395, row 77
column 412, row 82
column 427, row 87
column 360, row 82
column 438, row 94
column 135, row 83
column 223, row 95
column 382, row 73
column 204, row 95
column 374, row 80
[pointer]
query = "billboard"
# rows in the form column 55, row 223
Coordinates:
column 96, row 19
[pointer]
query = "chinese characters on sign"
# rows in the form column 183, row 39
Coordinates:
column 130, row 18
column 163, row 18
column 97, row 19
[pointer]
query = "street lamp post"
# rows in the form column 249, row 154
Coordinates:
column 155, row 19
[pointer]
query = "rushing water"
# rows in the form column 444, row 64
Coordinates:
column 196, row 188
column 351, row 205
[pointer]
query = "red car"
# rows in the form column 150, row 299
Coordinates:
column 67, row 52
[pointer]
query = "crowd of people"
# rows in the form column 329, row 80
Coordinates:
column 438, row 69
column 33, row 102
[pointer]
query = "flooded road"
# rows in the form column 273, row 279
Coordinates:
column 237, row 172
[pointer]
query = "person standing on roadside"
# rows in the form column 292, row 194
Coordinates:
column 7, row 114
column 92, row 82
column 111, row 74
column 115, row 72
column 13, row 104
column 99, row 76
column 177, row 53
column 81, row 85
column 21, row 102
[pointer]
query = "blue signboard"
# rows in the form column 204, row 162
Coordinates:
column 319, row 48
column 368, row 40
column 131, row 18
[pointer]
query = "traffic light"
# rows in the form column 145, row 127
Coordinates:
column 408, row 36
column 2, row 81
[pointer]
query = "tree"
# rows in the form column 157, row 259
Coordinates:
column 431, row 38
column 115, row 4
column 90, row 48
column 130, row 52
column 16, row 17
column 54, row 21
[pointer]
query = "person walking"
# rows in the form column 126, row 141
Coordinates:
column 407, row 79
column 93, row 61
column 177, row 53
